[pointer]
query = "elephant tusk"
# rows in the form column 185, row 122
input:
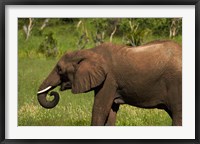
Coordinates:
column 44, row 90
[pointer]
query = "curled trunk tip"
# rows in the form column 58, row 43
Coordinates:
column 48, row 104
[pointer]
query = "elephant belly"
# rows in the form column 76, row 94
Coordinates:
column 144, row 99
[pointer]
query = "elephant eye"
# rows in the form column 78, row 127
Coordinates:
column 59, row 69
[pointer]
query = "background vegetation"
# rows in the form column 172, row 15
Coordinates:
column 41, row 42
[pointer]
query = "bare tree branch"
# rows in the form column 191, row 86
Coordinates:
column 111, row 36
column 27, row 29
column 44, row 24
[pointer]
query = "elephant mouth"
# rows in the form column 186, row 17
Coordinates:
column 65, row 86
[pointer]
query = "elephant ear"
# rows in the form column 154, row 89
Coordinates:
column 88, row 74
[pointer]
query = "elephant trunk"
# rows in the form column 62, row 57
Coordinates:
column 42, row 98
column 52, row 81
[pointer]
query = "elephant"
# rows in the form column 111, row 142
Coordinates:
column 146, row 76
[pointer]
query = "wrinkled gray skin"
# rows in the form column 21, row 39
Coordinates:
column 148, row 76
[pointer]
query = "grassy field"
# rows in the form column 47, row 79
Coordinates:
column 72, row 110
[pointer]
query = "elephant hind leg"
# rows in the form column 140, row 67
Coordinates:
column 177, row 119
column 111, row 119
column 175, row 103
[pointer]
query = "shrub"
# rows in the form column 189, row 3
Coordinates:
column 48, row 47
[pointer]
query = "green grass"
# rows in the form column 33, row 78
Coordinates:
column 72, row 110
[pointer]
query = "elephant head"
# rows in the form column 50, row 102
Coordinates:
column 79, row 71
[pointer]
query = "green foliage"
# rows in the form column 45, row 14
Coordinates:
column 49, row 46
column 133, row 33
column 80, row 33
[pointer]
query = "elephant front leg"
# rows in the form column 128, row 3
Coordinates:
column 103, row 101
